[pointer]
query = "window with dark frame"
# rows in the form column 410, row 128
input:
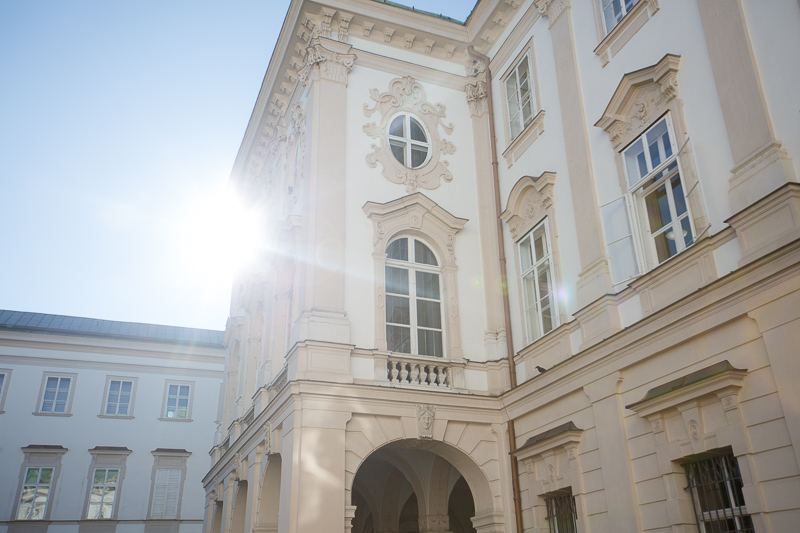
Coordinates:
column 561, row 512
column 715, row 483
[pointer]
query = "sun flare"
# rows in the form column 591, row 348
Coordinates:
column 218, row 235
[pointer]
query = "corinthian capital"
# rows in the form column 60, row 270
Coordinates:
column 326, row 59
column 552, row 9
column 475, row 89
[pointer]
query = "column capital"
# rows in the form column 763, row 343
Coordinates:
column 552, row 9
column 326, row 59
column 476, row 89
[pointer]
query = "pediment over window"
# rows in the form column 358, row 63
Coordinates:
column 528, row 203
column 415, row 214
column 720, row 379
column 640, row 98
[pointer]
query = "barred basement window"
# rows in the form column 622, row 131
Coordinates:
column 561, row 512
column 716, row 486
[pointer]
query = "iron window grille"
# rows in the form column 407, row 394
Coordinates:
column 716, row 487
column 561, row 513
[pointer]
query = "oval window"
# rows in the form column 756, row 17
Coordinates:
column 409, row 141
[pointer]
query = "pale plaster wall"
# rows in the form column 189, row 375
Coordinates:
column 365, row 184
column 84, row 429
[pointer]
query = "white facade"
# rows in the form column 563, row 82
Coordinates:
column 643, row 154
column 116, row 422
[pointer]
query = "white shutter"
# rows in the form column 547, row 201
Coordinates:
column 617, row 229
column 166, row 493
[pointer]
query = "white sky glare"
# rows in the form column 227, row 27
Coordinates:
column 119, row 123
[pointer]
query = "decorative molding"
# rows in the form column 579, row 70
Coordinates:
column 325, row 59
column 552, row 9
column 476, row 89
column 407, row 95
column 425, row 417
column 418, row 215
column 521, row 142
column 720, row 379
column 640, row 98
column 529, row 202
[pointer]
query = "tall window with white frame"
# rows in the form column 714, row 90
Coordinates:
column 615, row 10
column 536, row 266
column 178, row 398
column 715, row 483
column 118, row 399
column 413, row 299
column 35, row 495
column 102, row 495
column 654, row 182
column 519, row 95
column 55, row 397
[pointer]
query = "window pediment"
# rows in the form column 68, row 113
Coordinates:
column 640, row 98
column 528, row 203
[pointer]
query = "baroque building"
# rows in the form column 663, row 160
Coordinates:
column 104, row 425
column 537, row 271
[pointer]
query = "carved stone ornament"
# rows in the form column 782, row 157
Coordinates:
column 476, row 88
column 407, row 95
column 328, row 59
column 640, row 98
column 528, row 202
column 552, row 9
column 425, row 418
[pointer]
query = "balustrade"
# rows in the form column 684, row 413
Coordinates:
column 413, row 372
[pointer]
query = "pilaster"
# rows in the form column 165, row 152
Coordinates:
column 324, row 75
column 594, row 279
column 476, row 91
column 760, row 163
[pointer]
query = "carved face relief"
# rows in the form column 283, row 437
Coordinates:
column 408, row 153
column 425, row 417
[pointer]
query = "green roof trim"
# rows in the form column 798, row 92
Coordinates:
column 689, row 379
column 428, row 13
column 549, row 434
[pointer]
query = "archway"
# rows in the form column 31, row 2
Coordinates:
column 266, row 519
column 418, row 486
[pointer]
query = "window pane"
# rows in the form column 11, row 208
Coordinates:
column 539, row 243
column 526, row 254
column 677, row 195
column 2, row 380
column 45, row 475
column 635, row 163
column 398, row 150
column 658, row 143
column 429, row 314
column 418, row 155
column 428, row 285
column 430, row 342
column 417, row 132
column 397, row 310
column 398, row 339
column 423, row 254
column 32, row 475
column 184, row 390
column 529, row 288
column 99, row 475
column 398, row 250
column 686, row 227
column 657, row 209
column 396, row 280
column 544, row 280
column 173, row 390
column 397, row 127
column 665, row 247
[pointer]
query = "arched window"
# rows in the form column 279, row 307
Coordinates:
column 413, row 299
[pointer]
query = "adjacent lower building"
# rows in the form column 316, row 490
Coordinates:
column 104, row 425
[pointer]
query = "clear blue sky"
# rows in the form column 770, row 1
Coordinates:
column 114, row 117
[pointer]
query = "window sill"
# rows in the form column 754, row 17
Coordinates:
column 163, row 419
column 119, row 417
column 625, row 29
column 521, row 142
column 39, row 413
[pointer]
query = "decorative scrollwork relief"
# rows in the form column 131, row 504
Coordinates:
column 407, row 95
column 529, row 202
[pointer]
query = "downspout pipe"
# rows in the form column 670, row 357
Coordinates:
column 501, row 255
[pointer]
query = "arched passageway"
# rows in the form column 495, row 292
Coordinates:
column 410, row 486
